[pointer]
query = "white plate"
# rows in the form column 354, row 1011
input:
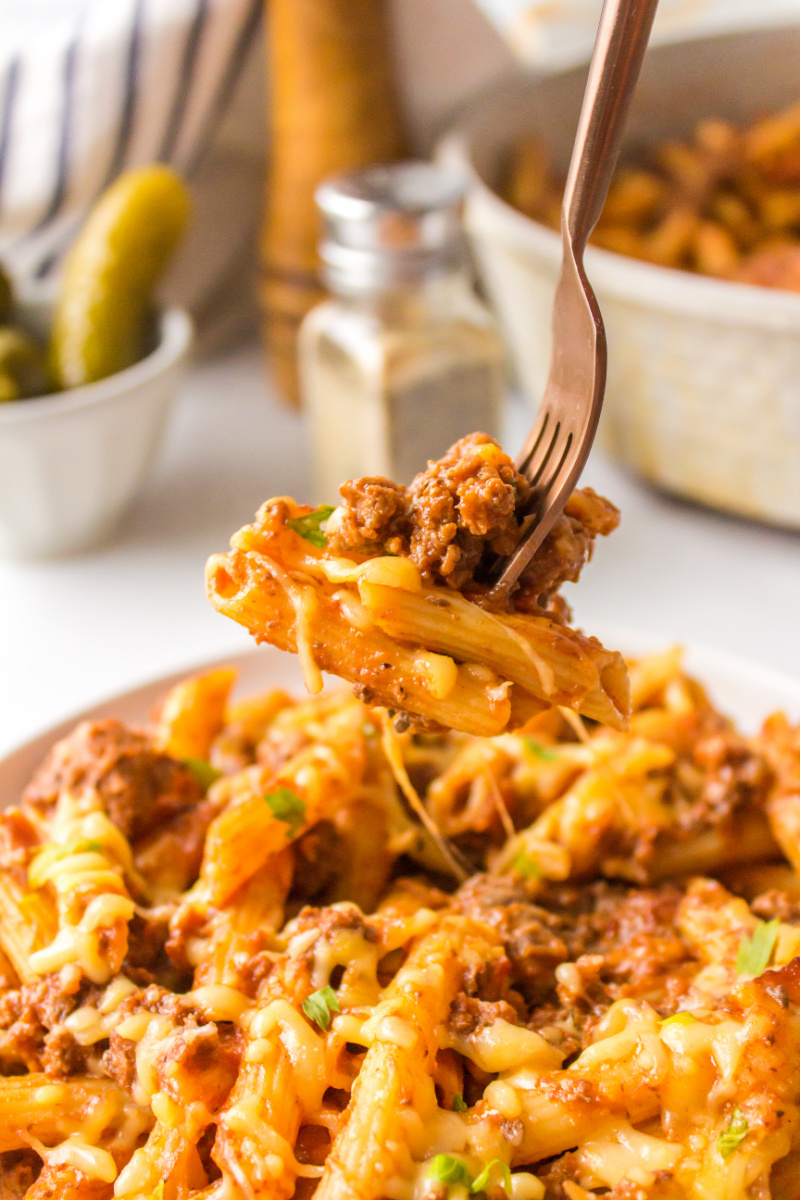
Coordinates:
column 741, row 689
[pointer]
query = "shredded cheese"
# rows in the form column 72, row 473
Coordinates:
column 304, row 602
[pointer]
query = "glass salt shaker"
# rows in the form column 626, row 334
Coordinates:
column 403, row 359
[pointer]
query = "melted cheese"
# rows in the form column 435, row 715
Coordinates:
column 628, row 1155
column 396, row 1031
column 504, row 1047
column 72, row 945
column 525, row 1186
column 502, row 1097
column 149, row 1050
column 348, row 948
column 304, row 602
column 138, row 1178
column 387, row 570
column 218, row 1002
column 91, row 1160
column 103, row 911
column 166, row 1110
column 89, row 886
column 438, row 673
column 353, row 610
column 118, row 990
column 306, row 1050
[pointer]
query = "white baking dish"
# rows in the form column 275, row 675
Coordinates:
column 704, row 376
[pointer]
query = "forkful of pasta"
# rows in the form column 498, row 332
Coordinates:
column 440, row 601
column 387, row 591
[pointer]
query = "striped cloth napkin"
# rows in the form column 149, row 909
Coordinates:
column 89, row 87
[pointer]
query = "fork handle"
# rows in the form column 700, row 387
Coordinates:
column 621, row 41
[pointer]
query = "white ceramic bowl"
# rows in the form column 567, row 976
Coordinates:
column 703, row 392
column 71, row 463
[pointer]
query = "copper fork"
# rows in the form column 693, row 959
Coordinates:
column 558, row 445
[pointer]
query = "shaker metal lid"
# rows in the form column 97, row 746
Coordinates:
column 408, row 213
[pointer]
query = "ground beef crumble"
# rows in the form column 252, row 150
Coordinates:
column 460, row 512
column 621, row 939
column 140, row 787
column 31, row 1020
column 19, row 1170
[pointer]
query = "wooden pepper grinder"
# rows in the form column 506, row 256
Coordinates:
column 333, row 106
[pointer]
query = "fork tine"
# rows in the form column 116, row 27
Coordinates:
column 535, row 475
column 544, row 488
column 533, row 442
column 559, row 443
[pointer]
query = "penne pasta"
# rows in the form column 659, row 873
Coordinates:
column 384, row 598
column 357, row 962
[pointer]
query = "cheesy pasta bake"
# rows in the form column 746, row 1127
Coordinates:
column 264, row 949
column 391, row 590
column 724, row 202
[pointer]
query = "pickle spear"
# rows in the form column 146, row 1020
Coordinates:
column 22, row 366
column 6, row 299
column 100, row 323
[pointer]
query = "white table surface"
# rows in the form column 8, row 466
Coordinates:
column 77, row 630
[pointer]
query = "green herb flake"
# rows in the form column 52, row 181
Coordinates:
column 539, row 750
column 679, row 1018
column 479, row 1184
column 446, row 1168
column 203, row 772
column 734, row 1135
column 525, row 866
column 459, row 1103
column 755, row 949
column 287, row 807
column 310, row 526
column 320, row 1005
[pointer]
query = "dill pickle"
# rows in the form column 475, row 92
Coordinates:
column 6, row 298
column 23, row 370
column 8, row 388
column 101, row 321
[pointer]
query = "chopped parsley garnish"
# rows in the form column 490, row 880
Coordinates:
column 525, row 866
column 309, row 526
column 446, row 1168
column 679, row 1018
column 320, row 1005
column 734, row 1135
column 203, row 772
column 755, row 949
column 459, row 1103
column 539, row 750
column 479, row 1184
column 287, row 807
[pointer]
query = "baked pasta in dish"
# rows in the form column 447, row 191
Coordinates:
column 234, row 965
column 724, row 202
column 387, row 591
